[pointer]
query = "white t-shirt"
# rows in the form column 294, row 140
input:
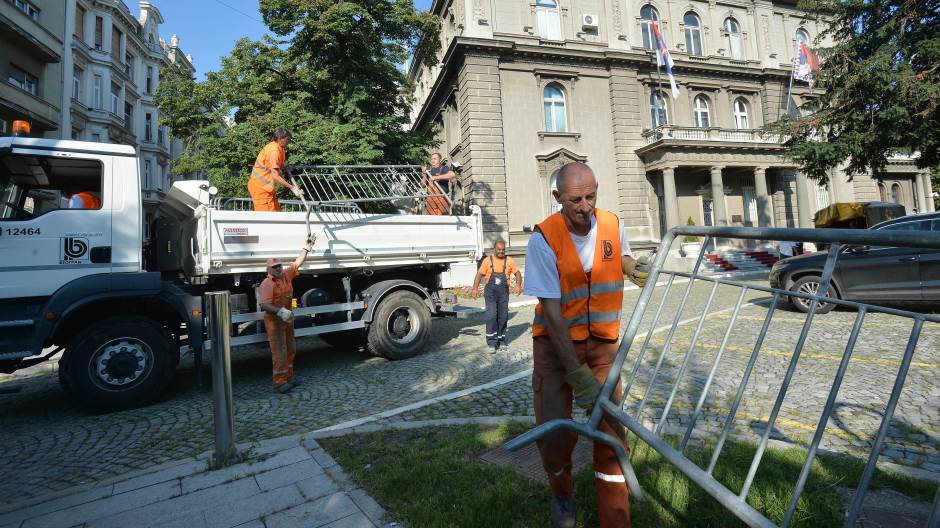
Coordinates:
column 541, row 265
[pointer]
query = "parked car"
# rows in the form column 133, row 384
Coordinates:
column 880, row 275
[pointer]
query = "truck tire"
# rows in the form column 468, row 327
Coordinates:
column 400, row 327
column 120, row 363
column 810, row 284
column 352, row 339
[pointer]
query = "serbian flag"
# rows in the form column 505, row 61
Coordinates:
column 806, row 65
column 663, row 59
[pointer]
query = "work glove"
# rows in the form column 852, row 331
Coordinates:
column 584, row 386
column 285, row 315
column 308, row 244
column 298, row 192
column 634, row 272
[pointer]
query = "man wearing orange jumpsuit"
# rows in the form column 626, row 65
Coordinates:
column 268, row 172
column 575, row 264
column 438, row 180
column 275, row 296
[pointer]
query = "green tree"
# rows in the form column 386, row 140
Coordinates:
column 331, row 73
column 880, row 84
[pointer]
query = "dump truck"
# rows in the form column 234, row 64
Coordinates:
column 122, row 298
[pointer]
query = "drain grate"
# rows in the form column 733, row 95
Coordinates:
column 526, row 461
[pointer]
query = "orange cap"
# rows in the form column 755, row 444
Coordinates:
column 21, row 128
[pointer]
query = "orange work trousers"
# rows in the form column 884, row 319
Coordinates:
column 281, row 339
column 553, row 400
column 436, row 205
column 264, row 201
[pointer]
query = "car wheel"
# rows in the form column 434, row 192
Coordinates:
column 810, row 285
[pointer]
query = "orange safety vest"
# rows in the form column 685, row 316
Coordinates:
column 261, row 178
column 89, row 201
column 590, row 303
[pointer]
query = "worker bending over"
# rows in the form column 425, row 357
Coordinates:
column 268, row 172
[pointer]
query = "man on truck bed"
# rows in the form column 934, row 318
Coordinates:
column 268, row 172
column 275, row 295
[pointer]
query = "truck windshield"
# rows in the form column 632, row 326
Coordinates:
column 34, row 185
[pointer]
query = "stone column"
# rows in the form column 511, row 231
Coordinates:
column 669, row 197
column 928, row 193
column 803, row 208
column 764, row 207
column 718, row 197
column 920, row 192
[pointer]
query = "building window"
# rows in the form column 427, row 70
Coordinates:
column 99, row 33
column 76, row 134
column 115, row 97
column 802, row 36
column 822, row 195
column 29, row 9
column 116, row 43
column 96, row 138
column 149, row 80
column 693, row 34
column 648, row 15
column 3, row 127
column 553, row 99
column 79, row 22
column 733, row 38
column 129, row 116
column 147, row 174
column 148, row 125
column 23, row 79
column 658, row 110
column 97, row 95
column 740, row 114
column 77, row 74
column 129, row 66
column 896, row 194
column 549, row 19
column 700, row 112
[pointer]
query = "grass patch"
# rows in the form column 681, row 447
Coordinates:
column 433, row 477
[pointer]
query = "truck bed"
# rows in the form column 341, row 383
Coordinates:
column 225, row 242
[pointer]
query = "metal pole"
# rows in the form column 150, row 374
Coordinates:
column 219, row 316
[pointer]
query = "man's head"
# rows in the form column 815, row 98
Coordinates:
column 275, row 267
column 499, row 248
column 436, row 159
column 283, row 137
column 576, row 192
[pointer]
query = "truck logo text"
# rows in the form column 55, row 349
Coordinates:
column 74, row 250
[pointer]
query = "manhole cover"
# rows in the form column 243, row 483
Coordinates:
column 526, row 461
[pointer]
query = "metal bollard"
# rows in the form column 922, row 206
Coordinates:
column 219, row 315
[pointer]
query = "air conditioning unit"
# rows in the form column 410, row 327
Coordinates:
column 589, row 21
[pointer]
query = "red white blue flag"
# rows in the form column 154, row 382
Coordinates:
column 663, row 59
column 805, row 64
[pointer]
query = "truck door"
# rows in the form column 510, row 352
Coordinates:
column 55, row 220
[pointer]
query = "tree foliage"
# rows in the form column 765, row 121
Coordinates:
column 330, row 72
column 880, row 84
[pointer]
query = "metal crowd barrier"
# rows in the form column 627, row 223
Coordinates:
column 736, row 503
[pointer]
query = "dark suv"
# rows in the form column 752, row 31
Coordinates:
column 879, row 275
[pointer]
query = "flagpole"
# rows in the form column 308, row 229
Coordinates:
column 792, row 74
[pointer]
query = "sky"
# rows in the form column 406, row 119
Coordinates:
column 208, row 29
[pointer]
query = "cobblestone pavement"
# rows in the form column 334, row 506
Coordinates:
column 47, row 443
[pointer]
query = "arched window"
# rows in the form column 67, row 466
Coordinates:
column 896, row 194
column 553, row 99
column 733, row 38
column 700, row 111
column 740, row 114
column 554, row 206
column 658, row 110
column 882, row 192
column 549, row 19
column 693, row 33
column 648, row 15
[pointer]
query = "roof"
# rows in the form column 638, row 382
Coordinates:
column 72, row 146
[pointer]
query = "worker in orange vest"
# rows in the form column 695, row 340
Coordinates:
column 83, row 200
column 575, row 264
column 495, row 273
column 268, row 172
column 275, row 296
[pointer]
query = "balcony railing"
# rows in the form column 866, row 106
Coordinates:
column 732, row 135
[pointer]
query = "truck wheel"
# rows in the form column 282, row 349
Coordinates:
column 354, row 339
column 400, row 326
column 120, row 363
column 810, row 285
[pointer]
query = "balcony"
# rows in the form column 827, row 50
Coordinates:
column 152, row 196
column 711, row 134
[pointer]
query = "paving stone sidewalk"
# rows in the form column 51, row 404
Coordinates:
column 286, row 482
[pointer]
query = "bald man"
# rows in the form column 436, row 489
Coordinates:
column 575, row 264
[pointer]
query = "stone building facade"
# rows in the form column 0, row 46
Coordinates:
column 523, row 87
column 96, row 67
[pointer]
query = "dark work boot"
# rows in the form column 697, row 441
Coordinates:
column 563, row 513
